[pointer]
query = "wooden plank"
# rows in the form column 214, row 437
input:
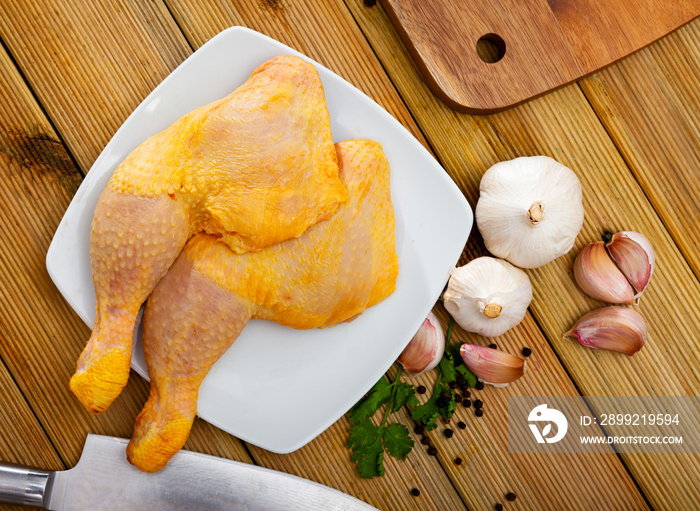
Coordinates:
column 88, row 94
column 563, row 125
column 537, row 480
column 649, row 104
column 22, row 440
column 388, row 91
column 42, row 336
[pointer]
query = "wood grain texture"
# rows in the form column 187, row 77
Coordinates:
column 442, row 37
column 42, row 337
column 90, row 66
column 536, row 479
column 25, row 442
column 86, row 92
column 545, row 44
column 603, row 31
column 327, row 460
column 489, row 471
column 650, row 106
column 303, row 26
column 563, row 125
column 22, row 441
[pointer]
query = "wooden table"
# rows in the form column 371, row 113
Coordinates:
column 71, row 74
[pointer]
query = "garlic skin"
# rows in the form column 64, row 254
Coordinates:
column 492, row 366
column 611, row 328
column 599, row 277
column 530, row 210
column 617, row 269
column 425, row 350
column 634, row 256
column 488, row 296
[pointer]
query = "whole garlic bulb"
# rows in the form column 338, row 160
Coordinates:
column 530, row 210
column 488, row 296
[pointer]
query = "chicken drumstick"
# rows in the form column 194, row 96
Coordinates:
column 330, row 274
column 254, row 168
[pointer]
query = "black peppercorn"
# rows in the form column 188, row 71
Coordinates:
column 458, row 398
column 458, row 461
column 370, row 3
column 415, row 491
column 466, row 403
column 461, row 425
column 493, row 346
column 425, row 440
column 446, row 394
column 510, row 497
column 441, row 401
column 498, row 507
column 448, row 433
column 479, row 385
column 418, row 430
column 432, row 451
column 479, row 412
column 478, row 403
column 452, row 385
column 421, row 389
column 467, row 393
column 527, row 352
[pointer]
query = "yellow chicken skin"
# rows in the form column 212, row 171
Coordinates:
column 254, row 168
column 330, row 274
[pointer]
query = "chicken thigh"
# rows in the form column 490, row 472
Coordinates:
column 330, row 274
column 254, row 169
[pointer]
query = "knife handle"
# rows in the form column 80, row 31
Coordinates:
column 22, row 485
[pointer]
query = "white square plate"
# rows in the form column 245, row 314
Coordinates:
column 276, row 387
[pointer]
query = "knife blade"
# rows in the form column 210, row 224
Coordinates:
column 103, row 478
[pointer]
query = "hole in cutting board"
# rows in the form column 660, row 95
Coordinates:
column 491, row 48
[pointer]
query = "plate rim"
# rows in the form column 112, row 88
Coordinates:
column 446, row 181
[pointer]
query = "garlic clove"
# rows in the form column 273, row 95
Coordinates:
column 488, row 296
column 425, row 349
column 634, row 256
column 599, row 277
column 611, row 328
column 530, row 210
column 492, row 366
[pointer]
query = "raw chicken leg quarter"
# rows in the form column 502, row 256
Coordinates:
column 330, row 274
column 253, row 169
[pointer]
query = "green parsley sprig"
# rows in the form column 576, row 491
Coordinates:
column 368, row 442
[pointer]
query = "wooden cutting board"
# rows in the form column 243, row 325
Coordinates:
column 482, row 56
